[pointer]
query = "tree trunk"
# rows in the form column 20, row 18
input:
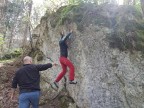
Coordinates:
column 134, row 2
column 29, row 29
column 129, row 2
column 13, row 30
column 142, row 6
column 11, row 38
column 27, row 32
column 3, row 4
column 1, row 9
column 125, row 2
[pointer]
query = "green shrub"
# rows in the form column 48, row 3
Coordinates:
column 13, row 54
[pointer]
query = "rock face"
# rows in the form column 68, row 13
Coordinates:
column 107, row 77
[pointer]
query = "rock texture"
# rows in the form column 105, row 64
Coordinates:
column 107, row 77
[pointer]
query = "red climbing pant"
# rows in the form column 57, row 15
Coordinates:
column 65, row 63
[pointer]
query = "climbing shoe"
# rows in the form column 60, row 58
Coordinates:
column 55, row 86
column 72, row 82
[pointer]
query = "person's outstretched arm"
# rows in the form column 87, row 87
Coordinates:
column 42, row 67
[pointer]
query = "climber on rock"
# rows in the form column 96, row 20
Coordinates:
column 64, row 61
column 28, row 80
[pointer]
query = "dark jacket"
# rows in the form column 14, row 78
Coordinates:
column 63, row 45
column 28, row 76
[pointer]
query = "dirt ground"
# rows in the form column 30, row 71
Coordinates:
column 7, row 72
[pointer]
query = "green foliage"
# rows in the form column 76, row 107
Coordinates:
column 138, row 5
column 70, row 12
column 40, row 56
column 76, row 2
column 1, row 40
column 13, row 10
column 63, row 14
column 81, row 14
column 128, row 30
column 6, row 60
column 125, row 22
column 140, row 40
column 12, row 54
column 37, row 53
column 132, row 38
column 73, row 1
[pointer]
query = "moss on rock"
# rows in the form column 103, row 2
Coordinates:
column 125, row 22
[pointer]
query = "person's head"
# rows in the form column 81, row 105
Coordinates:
column 27, row 60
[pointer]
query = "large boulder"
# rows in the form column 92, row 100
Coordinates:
column 106, row 49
